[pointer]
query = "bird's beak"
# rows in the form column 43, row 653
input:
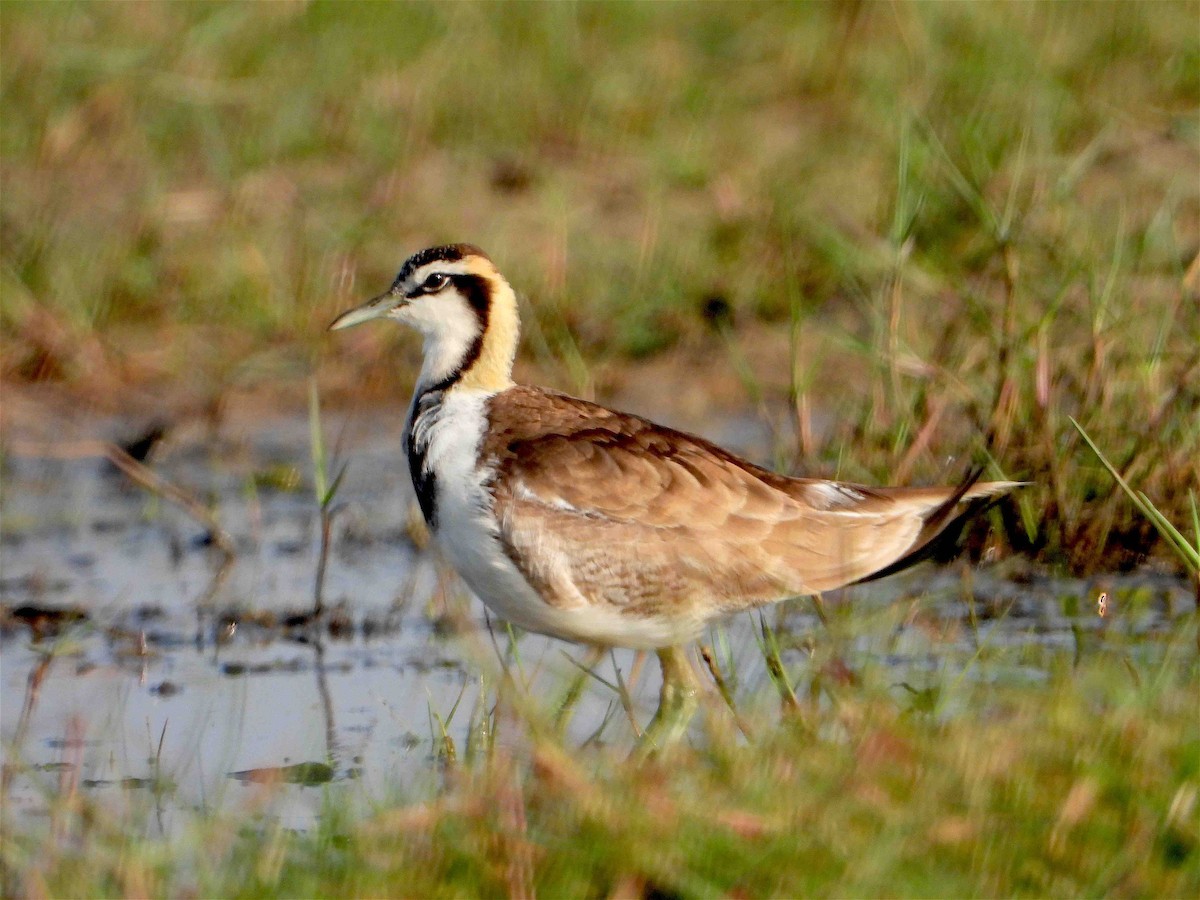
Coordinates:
column 374, row 308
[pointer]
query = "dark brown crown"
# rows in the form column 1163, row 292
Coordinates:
column 447, row 253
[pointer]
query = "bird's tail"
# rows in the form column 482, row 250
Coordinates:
column 944, row 522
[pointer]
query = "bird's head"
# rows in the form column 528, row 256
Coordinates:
column 456, row 297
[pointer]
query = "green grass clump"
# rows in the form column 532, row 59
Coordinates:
column 1087, row 784
column 933, row 224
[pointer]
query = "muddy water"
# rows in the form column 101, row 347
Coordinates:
column 170, row 681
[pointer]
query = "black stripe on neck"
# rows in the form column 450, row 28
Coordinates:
column 426, row 407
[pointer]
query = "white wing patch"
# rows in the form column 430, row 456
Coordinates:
column 522, row 491
column 831, row 495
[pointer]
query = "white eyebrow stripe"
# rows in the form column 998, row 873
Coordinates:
column 443, row 266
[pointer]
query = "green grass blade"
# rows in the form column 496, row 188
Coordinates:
column 1195, row 520
column 1189, row 554
column 334, row 485
column 1173, row 534
column 316, row 442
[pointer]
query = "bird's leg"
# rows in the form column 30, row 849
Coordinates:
column 677, row 701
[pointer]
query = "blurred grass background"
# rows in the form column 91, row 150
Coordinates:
column 919, row 227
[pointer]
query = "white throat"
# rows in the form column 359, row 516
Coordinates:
column 448, row 341
column 465, row 345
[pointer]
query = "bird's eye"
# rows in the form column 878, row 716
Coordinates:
column 435, row 282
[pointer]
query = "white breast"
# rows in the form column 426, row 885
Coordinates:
column 466, row 531
column 464, row 526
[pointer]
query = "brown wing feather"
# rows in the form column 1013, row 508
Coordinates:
column 601, row 506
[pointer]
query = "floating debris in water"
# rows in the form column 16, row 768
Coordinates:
column 43, row 621
column 129, row 783
column 308, row 774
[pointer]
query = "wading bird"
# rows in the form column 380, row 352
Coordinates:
column 587, row 524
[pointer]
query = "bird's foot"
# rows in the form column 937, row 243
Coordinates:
column 677, row 704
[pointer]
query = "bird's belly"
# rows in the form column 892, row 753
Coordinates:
column 467, row 533
column 470, row 543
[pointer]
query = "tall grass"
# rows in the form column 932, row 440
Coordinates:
column 918, row 232
column 1187, row 551
column 1086, row 785
column 975, row 218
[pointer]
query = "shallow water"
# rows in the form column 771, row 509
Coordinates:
column 173, row 677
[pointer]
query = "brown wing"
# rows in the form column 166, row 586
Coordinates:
column 598, row 506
